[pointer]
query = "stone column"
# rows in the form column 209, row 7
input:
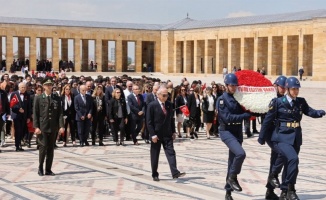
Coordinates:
column 21, row 48
column 206, row 58
column 55, row 53
column 32, row 53
column 255, row 53
column 77, row 60
column 43, row 49
column 196, row 65
column 118, row 55
column 269, row 69
column 105, row 56
column 230, row 67
column 285, row 50
column 185, row 57
column 85, row 64
column 138, row 59
column 242, row 53
column 64, row 49
column 300, row 53
column 217, row 57
column 98, row 54
column 9, row 51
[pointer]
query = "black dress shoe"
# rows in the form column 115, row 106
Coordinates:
column 40, row 172
column 101, row 144
column 196, row 135
column 93, row 143
column 228, row 196
column 136, row 143
column 283, row 195
column 49, row 173
column 249, row 135
column 156, row 178
column 117, row 143
column 291, row 195
column 255, row 131
column 180, row 174
column 270, row 195
column 273, row 180
column 233, row 182
column 19, row 149
column 86, row 143
column 122, row 143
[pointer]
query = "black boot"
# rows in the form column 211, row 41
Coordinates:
column 291, row 195
column 233, row 182
column 270, row 195
column 273, row 180
column 283, row 195
column 228, row 196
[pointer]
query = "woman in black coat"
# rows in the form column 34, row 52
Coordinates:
column 69, row 114
column 98, row 114
column 181, row 100
column 117, row 114
column 208, row 108
column 195, row 112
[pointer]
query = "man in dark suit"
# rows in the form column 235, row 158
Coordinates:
column 47, row 119
column 83, row 107
column 137, row 109
column 20, row 105
column 161, row 127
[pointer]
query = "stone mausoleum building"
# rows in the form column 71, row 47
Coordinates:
column 279, row 43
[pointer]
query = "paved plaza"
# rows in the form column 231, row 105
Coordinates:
column 117, row 172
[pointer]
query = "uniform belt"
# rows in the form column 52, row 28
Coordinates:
column 233, row 124
column 290, row 124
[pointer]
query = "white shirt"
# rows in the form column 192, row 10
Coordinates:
column 210, row 103
column 127, row 93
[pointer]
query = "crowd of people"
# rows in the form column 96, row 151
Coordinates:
column 56, row 107
column 115, row 106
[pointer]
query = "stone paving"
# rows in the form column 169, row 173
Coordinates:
column 117, row 172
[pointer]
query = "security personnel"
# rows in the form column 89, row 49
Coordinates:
column 276, row 162
column 286, row 112
column 230, row 116
column 48, row 118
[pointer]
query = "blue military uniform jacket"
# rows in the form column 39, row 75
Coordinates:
column 230, row 116
column 287, row 119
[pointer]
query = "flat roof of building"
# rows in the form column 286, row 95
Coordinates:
column 183, row 24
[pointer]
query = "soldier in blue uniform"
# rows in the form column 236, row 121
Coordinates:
column 286, row 112
column 276, row 162
column 230, row 116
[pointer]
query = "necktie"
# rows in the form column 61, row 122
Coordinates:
column 83, row 97
column 155, row 97
column 138, row 100
column 163, row 108
column 48, row 99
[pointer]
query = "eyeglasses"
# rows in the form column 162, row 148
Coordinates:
column 164, row 95
column 130, row 86
column 183, row 90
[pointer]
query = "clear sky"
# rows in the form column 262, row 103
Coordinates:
column 150, row 11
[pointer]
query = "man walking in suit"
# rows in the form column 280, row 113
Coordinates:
column 83, row 107
column 137, row 109
column 20, row 105
column 47, row 119
column 161, row 127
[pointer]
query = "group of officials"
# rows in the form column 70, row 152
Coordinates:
column 281, row 128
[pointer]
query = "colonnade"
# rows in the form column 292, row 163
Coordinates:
column 275, row 54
